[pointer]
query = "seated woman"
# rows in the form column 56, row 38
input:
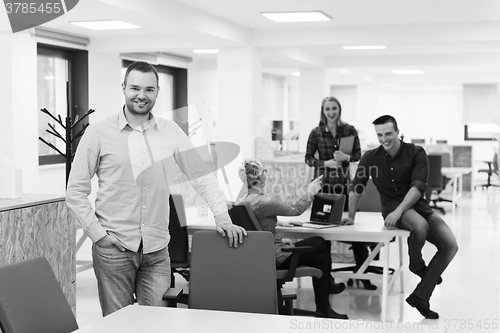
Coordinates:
column 266, row 209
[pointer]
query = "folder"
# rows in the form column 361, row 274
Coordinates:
column 346, row 144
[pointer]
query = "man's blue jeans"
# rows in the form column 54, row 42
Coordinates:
column 436, row 231
column 121, row 274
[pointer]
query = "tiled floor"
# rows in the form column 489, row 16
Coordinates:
column 469, row 295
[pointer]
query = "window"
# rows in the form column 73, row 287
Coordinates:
column 481, row 132
column 57, row 66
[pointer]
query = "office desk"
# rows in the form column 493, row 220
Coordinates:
column 149, row 319
column 368, row 227
column 456, row 179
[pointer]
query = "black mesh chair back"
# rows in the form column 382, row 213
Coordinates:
column 243, row 216
column 178, row 247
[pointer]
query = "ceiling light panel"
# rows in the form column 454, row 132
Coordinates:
column 105, row 25
column 309, row 16
column 365, row 47
column 407, row 71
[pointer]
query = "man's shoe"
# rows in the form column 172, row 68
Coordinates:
column 422, row 306
column 335, row 288
column 421, row 273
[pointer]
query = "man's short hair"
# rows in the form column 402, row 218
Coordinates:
column 143, row 67
column 386, row 119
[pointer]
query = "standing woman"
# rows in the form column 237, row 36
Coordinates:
column 333, row 164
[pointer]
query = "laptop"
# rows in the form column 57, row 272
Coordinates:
column 326, row 211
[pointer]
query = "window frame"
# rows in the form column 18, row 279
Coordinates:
column 78, row 77
column 468, row 138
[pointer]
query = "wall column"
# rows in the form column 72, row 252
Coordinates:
column 313, row 88
column 239, row 76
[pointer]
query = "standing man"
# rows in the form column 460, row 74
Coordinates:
column 132, row 153
column 400, row 170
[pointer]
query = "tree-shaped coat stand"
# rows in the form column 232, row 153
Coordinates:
column 69, row 126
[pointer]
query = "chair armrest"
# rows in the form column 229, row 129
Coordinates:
column 172, row 296
column 297, row 249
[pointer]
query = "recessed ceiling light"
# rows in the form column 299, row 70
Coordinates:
column 206, row 51
column 296, row 73
column 49, row 77
column 105, row 25
column 308, row 16
column 407, row 71
column 365, row 47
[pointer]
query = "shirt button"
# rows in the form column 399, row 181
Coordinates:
column 143, row 207
column 143, row 224
column 393, row 180
column 392, row 168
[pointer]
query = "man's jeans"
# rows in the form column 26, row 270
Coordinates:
column 121, row 274
column 437, row 232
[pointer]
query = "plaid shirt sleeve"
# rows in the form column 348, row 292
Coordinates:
column 311, row 149
column 420, row 170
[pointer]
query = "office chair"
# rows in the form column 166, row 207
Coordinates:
column 490, row 171
column 227, row 279
column 243, row 216
column 370, row 202
column 434, row 182
column 178, row 247
column 31, row 299
column 445, row 163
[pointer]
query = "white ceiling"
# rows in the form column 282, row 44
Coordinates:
column 453, row 41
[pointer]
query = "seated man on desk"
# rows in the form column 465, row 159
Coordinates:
column 266, row 210
column 400, row 171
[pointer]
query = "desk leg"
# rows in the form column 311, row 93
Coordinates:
column 385, row 282
column 401, row 275
column 456, row 189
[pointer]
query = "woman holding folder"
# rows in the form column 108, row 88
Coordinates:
column 336, row 144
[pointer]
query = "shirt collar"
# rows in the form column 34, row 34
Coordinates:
column 122, row 121
column 255, row 190
column 397, row 153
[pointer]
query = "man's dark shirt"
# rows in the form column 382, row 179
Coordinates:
column 394, row 176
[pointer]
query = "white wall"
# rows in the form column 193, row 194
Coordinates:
column 202, row 93
column 420, row 112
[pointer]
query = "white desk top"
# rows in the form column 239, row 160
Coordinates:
column 367, row 227
column 450, row 170
column 147, row 319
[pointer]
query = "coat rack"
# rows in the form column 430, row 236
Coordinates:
column 69, row 127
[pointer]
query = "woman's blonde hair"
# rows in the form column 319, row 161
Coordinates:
column 250, row 171
column 322, row 118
